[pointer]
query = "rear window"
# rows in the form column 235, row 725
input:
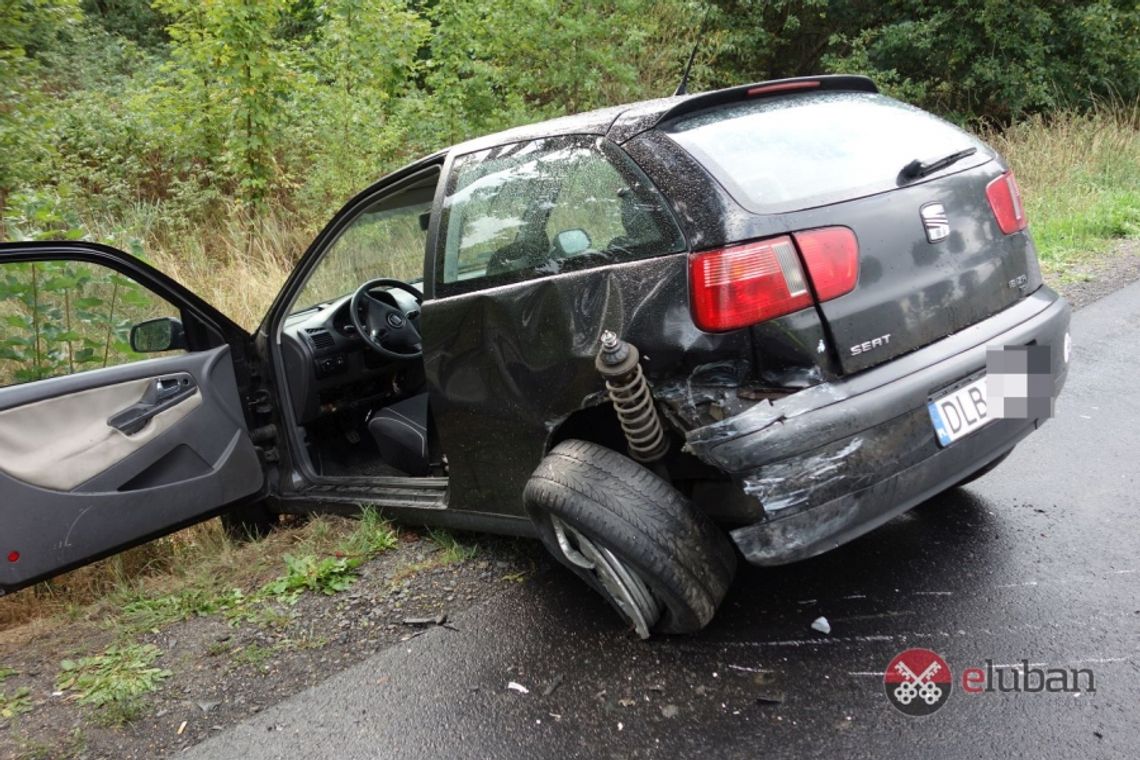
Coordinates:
column 799, row 151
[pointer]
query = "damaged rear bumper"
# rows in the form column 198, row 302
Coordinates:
column 836, row 460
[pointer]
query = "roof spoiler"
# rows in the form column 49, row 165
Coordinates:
column 767, row 89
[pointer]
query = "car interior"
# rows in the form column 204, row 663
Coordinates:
column 352, row 350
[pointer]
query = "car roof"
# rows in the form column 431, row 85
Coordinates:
column 620, row 123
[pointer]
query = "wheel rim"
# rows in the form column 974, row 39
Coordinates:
column 627, row 590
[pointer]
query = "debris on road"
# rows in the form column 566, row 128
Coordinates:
column 515, row 686
column 772, row 698
column 670, row 711
column 820, row 624
column 552, row 685
column 419, row 621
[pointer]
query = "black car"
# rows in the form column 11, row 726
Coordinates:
column 762, row 313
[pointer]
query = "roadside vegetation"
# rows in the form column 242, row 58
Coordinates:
column 1080, row 179
column 200, row 571
column 111, row 615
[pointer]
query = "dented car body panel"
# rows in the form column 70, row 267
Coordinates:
column 518, row 361
column 837, row 460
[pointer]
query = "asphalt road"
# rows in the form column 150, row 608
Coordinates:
column 1038, row 561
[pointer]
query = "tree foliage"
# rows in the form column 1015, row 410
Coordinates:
column 173, row 112
column 993, row 60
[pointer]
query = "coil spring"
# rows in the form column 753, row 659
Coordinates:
column 633, row 403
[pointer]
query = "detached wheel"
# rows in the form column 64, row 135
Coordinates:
column 663, row 565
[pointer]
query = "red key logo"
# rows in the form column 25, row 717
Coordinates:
column 917, row 682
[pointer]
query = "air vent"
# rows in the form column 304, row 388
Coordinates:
column 321, row 338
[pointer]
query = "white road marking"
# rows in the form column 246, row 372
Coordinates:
column 751, row 670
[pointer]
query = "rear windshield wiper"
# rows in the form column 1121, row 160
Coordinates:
column 916, row 168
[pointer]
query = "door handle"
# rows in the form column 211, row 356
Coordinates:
column 161, row 394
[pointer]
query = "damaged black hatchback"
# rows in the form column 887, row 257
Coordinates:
column 748, row 322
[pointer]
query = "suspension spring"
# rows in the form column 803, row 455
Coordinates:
column 618, row 362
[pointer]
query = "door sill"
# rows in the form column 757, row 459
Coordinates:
column 420, row 493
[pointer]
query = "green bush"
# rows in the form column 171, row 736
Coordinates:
column 989, row 60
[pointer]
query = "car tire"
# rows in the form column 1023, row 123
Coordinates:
column 984, row 471
column 249, row 522
column 603, row 503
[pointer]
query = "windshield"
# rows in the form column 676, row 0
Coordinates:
column 387, row 239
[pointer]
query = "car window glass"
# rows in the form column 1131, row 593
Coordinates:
column 62, row 317
column 387, row 239
column 799, row 151
column 542, row 207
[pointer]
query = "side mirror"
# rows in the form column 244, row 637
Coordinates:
column 162, row 334
column 572, row 242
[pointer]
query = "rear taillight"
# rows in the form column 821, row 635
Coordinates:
column 1005, row 200
column 739, row 286
column 832, row 258
column 766, row 89
column 745, row 284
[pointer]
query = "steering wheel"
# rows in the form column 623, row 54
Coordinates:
column 386, row 328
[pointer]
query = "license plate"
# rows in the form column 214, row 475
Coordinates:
column 960, row 412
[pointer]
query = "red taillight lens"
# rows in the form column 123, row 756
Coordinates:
column 745, row 284
column 1005, row 200
column 832, row 258
column 764, row 89
column 13, row 556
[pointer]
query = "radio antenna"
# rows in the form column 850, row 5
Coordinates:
column 683, row 87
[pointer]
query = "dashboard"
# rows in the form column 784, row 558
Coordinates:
column 329, row 368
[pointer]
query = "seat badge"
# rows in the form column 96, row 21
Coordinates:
column 935, row 221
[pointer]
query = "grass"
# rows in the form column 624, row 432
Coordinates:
column 29, row 749
column 16, row 703
column 254, row 656
column 325, row 575
column 114, row 682
column 253, row 583
column 451, row 552
column 200, row 571
column 235, row 271
column 1080, row 181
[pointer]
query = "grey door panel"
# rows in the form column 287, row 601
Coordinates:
column 59, row 443
column 195, row 456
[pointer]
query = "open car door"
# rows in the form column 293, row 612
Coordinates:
column 101, row 447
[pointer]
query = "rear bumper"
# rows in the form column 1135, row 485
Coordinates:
column 839, row 459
